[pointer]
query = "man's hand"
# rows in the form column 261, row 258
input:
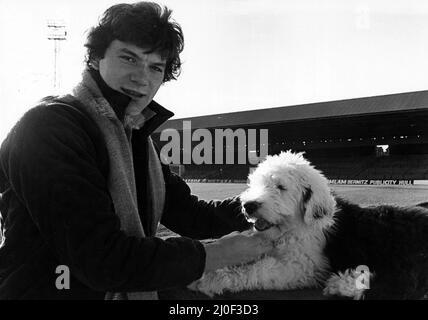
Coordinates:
column 236, row 248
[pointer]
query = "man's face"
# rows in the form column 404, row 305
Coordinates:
column 131, row 70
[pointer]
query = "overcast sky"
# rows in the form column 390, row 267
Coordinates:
column 239, row 54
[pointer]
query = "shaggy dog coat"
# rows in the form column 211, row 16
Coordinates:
column 326, row 240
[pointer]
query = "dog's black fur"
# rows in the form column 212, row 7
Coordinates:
column 392, row 241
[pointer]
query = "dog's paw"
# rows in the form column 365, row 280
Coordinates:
column 216, row 282
column 207, row 291
column 193, row 286
column 345, row 285
column 202, row 286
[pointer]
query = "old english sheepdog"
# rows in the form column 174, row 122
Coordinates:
column 378, row 252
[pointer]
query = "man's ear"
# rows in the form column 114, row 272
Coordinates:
column 95, row 64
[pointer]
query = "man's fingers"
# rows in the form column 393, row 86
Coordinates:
column 230, row 235
column 272, row 233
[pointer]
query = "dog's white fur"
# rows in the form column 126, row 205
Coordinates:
column 280, row 185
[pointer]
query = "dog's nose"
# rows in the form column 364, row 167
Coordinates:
column 251, row 206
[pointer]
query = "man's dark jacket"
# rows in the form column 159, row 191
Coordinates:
column 57, row 210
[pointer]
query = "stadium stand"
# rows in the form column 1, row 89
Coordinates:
column 399, row 167
column 216, row 172
column 381, row 137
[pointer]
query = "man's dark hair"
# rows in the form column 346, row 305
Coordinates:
column 143, row 24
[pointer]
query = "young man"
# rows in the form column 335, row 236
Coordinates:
column 83, row 187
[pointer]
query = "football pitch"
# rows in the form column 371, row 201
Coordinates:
column 361, row 194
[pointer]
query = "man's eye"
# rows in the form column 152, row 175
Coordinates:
column 157, row 69
column 128, row 59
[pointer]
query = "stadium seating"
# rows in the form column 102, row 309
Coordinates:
column 403, row 167
column 216, row 172
column 396, row 167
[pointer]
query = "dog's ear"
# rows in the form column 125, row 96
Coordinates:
column 316, row 205
column 307, row 194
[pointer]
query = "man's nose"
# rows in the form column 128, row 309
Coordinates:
column 139, row 77
column 251, row 206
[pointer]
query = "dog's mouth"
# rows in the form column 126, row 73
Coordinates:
column 262, row 224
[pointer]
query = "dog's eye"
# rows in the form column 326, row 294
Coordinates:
column 281, row 187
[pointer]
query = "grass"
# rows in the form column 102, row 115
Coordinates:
column 363, row 195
